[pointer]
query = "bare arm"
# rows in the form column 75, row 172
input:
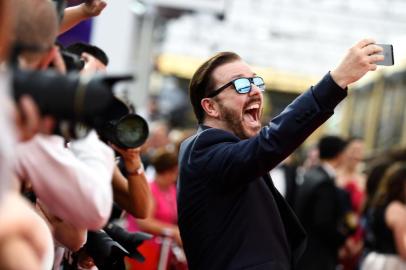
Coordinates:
column 12, row 249
column 157, row 227
column 132, row 194
column 74, row 15
column 395, row 217
column 23, row 234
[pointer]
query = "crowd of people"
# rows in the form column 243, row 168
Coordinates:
column 200, row 200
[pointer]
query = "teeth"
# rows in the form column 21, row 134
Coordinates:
column 254, row 106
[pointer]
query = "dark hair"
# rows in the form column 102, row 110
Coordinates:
column 79, row 48
column 164, row 160
column 331, row 146
column 202, row 81
column 392, row 186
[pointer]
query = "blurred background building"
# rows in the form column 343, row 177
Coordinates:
column 290, row 43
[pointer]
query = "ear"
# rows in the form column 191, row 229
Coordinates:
column 210, row 107
column 47, row 58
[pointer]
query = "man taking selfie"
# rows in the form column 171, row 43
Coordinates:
column 230, row 214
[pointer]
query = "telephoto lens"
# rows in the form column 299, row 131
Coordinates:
column 122, row 128
column 67, row 97
column 130, row 131
column 80, row 103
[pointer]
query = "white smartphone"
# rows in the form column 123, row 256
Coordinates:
column 388, row 54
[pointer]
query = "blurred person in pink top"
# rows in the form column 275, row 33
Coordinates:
column 162, row 221
column 163, row 218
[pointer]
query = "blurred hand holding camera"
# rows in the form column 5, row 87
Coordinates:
column 76, row 14
column 93, row 8
column 132, row 194
column 54, row 59
column 131, row 157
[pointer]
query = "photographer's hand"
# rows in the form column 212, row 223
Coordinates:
column 54, row 58
column 133, row 195
column 92, row 8
column 131, row 156
column 359, row 59
column 74, row 15
column 158, row 227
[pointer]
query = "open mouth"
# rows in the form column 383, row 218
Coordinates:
column 251, row 113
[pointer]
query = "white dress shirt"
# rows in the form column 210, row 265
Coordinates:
column 279, row 179
column 7, row 134
column 74, row 183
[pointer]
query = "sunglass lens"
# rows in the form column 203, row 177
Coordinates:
column 258, row 81
column 242, row 85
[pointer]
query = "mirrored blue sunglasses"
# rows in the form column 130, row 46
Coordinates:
column 241, row 85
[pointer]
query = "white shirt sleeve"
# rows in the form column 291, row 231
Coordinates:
column 75, row 182
column 7, row 134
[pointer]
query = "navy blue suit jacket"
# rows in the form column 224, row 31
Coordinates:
column 230, row 214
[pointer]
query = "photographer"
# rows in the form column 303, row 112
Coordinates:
column 130, row 188
column 75, row 185
column 23, row 234
column 132, row 192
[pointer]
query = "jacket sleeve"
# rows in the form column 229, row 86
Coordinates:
column 225, row 156
column 75, row 182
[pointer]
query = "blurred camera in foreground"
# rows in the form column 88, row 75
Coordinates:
column 108, row 247
column 80, row 103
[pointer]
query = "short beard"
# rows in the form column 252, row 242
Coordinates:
column 233, row 123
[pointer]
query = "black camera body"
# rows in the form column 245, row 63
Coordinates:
column 108, row 247
column 106, row 253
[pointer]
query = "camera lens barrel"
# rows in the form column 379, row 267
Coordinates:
column 130, row 131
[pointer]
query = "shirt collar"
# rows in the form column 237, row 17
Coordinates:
column 329, row 169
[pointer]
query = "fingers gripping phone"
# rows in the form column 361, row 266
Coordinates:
column 388, row 54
